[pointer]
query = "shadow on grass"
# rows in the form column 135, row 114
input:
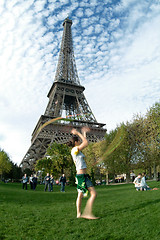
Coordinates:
column 141, row 205
column 130, row 208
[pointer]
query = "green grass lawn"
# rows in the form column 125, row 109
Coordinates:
column 124, row 213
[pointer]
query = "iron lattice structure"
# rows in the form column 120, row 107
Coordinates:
column 66, row 98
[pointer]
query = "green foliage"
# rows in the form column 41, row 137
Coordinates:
column 92, row 155
column 28, row 171
column 44, row 164
column 72, row 174
column 146, row 131
column 15, row 174
column 152, row 126
column 60, row 156
column 117, row 154
column 5, row 163
column 140, row 146
column 58, row 159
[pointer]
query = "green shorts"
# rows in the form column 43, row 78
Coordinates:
column 83, row 183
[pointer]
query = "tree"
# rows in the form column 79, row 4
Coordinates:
column 90, row 159
column 152, row 138
column 101, row 168
column 45, row 164
column 119, row 152
column 109, row 161
column 57, row 160
column 113, row 151
column 126, row 151
column 60, row 155
column 15, row 173
column 146, row 131
column 5, row 164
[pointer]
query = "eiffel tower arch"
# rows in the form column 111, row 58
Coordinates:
column 66, row 99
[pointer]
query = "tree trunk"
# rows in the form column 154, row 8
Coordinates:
column 127, row 177
column 154, row 172
column 150, row 172
column 101, row 178
column 107, row 178
column 1, row 176
column 62, row 169
column 114, row 177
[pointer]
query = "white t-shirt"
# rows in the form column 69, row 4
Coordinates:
column 137, row 182
column 78, row 158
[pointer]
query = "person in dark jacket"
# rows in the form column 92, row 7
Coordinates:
column 63, row 182
column 51, row 183
column 47, row 182
column 34, row 182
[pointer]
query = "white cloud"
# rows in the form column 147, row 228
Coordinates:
column 99, row 8
column 84, row 22
column 83, row 4
column 79, row 12
column 39, row 5
column 98, row 28
column 93, row 3
column 126, row 3
column 88, row 12
column 113, row 24
column 88, row 30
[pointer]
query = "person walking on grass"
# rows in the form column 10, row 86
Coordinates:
column 47, row 182
column 51, row 183
column 62, row 180
column 31, row 181
column 83, row 182
column 24, row 181
column 34, row 182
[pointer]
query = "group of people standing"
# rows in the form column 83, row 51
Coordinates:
column 140, row 183
column 32, row 181
column 49, row 181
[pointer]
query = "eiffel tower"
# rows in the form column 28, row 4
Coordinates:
column 66, row 98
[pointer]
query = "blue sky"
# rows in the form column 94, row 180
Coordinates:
column 117, row 53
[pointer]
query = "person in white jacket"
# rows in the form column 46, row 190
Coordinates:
column 137, row 182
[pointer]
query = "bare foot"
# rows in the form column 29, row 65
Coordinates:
column 89, row 217
column 79, row 216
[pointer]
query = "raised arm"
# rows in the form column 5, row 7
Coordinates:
column 82, row 136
